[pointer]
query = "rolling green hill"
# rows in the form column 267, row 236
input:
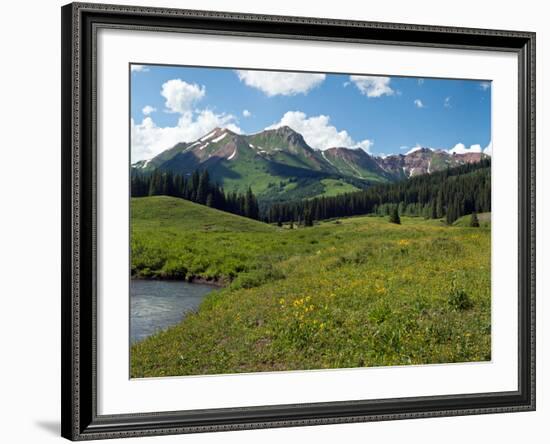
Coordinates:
column 158, row 212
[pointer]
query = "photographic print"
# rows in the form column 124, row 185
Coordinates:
column 285, row 221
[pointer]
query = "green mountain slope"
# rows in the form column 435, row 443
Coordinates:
column 277, row 164
column 356, row 163
column 286, row 146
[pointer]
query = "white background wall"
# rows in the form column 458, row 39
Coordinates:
column 30, row 221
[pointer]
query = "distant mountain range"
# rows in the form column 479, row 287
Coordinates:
column 279, row 165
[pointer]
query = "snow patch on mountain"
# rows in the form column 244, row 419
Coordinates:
column 208, row 136
column 142, row 163
column 325, row 157
column 217, row 139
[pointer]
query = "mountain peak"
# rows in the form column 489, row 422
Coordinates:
column 282, row 151
column 285, row 129
column 283, row 135
column 419, row 150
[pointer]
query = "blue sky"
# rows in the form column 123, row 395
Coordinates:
column 383, row 115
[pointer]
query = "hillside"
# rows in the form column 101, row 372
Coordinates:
column 177, row 239
column 280, row 166
column 357, row 163
column 157, row 212
column 452, row 193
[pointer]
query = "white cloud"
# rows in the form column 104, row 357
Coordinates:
column 485, row 85
column 416, row 148
column 180, row 96
column 246, row 113
column 447, row 102
column 148, row 139
column 460, row 148
column 318, row 132
column 418, row 103
column 274, row 83
column 403, row 147
column 139, row 68
column 373, row 86
column 148, row 109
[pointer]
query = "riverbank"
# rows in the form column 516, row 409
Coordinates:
column 218, row 283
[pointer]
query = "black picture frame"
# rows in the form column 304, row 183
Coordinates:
column 80, row 22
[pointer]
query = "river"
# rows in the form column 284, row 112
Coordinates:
column 156, row 304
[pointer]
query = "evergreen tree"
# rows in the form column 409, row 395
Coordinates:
column 450, row 217
column 394, row 216
column 439, row 205
column 202, row 190
column 308, row 218
column 194, row 185
column 196, row 189
column 251, row 205
column 210, row 200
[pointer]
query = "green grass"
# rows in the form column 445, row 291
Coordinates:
column 334, row 187
column 464, row 221
column 352, row 292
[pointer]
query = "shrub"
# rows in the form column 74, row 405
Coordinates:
column 459, row 299
column 174, row 269
column 257, row 277
column 394, row 216
column 359, row 257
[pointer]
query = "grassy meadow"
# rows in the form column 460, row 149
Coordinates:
column 483, row 218
column 352, row 292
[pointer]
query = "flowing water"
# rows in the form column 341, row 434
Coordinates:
column 156, row 305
